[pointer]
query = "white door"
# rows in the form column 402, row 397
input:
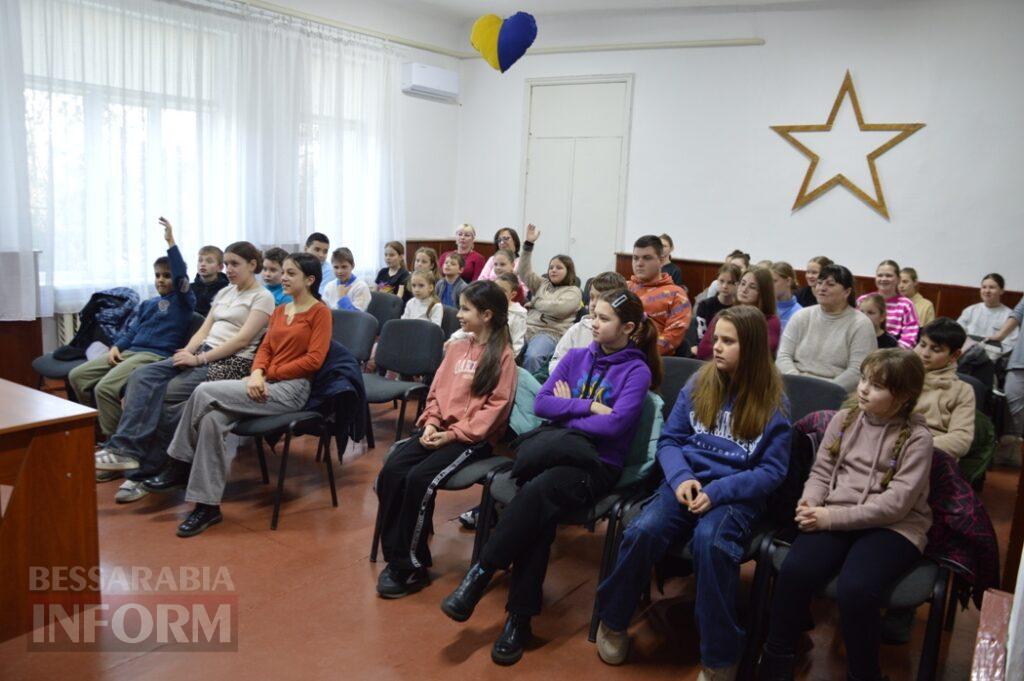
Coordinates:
column 576, row 170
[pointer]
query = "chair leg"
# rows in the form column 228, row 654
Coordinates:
column 280, row 479
column 754, row 618
column 401, row 420
column 933, row 633
column 376, row 536
column 607, row 557
column 370, row 444
column 952, row 606
column 263, row 460
column 483, row 521
column 319, row 450
column 326, row 444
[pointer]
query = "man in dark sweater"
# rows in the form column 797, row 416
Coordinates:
column 209, row 278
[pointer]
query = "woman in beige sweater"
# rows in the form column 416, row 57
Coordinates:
column 553, row 307
column 864, row 515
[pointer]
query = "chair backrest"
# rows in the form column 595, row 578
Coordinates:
column 522, row 419
column 981, row 393
column 384, row 307
column 449, row 321
column 678, row 371
column 410, row 347
column 356, row 331
column 808, row 394
column 643, row 450
column 195, row 323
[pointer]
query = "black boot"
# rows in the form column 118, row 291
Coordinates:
column 173, row 476
column 775, row 667
column 201, row 517
column 508, row 649
column 460, row 603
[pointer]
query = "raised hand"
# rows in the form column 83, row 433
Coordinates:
column 168, row 231
column 532, row 233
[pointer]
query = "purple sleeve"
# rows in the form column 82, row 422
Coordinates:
column 675, row 434
column 560, row 409
column 626, row 411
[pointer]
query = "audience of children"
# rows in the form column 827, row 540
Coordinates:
column 553, row 307
column 986, row 318
column 592, row 403
column 667, row 266
column 757, row 289
column 273, row 268
column 736, row 257
column 908, row 287
column 901, row 316
column 210, row 278
column 831, row 339
column 666, row 304
column 424, row 303
column 450, row 285
column 724, row 448
column 465, row 236
column 863, row 515
column 805, row 296
column 347, row 291
column 158, row 328
column 873, row 307
column 581, row 334
column 222, row 348
column 293, row 350
column 319, row 245
column 466, row 413
column 507, row 239
column 786, row 304
column 726, row 282
column 946, row 402
column 393, row 278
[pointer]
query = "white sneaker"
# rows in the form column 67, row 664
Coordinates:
column 129, row 491
column 612, row 646
column 107, row 460
column 717, row 673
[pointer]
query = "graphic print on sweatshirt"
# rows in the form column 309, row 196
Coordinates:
column 723, row 430
column 599, row 389
column 465, row 367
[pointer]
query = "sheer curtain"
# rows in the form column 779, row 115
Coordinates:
column 232, row 122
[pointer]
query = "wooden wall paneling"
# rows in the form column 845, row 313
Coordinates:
column 22, row 342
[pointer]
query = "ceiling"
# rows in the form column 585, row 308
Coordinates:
column 471, row 9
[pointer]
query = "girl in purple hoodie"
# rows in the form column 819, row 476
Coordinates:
column 593, row 402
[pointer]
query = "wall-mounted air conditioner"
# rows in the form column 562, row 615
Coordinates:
column 430, row 81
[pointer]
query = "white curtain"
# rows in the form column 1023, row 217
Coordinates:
column 17, row 270
column 232, row 122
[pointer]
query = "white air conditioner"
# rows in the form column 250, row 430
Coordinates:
column 430, row 81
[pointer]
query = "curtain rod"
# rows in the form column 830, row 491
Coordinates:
column 457, row 54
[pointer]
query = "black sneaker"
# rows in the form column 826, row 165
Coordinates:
column 396, row 583
column 173, row 476
column 201, row 517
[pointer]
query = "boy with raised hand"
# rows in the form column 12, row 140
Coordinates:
column 666, row 304
column 158, row 328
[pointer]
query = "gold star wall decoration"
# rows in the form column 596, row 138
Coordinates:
column 804, row 197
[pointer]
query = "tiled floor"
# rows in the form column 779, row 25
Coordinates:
column 307, row 607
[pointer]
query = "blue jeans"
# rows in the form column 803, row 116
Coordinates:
column 717, row 540
column 153, row 402
column 538, row 352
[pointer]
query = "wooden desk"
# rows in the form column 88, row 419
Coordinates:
column 46, row 454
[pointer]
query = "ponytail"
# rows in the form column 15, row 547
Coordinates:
column 486, row 295
column 628, row 308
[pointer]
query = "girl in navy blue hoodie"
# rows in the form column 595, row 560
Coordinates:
column 724, row 449
column 593, row 403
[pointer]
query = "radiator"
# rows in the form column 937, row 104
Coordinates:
column 66, row 327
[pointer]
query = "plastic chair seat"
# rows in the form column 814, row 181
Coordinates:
column 913, row 588
column 278, row 423
column 380, row 389
column 48, row 367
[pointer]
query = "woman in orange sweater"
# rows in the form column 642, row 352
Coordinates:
column 296, row 344
column 467, row 410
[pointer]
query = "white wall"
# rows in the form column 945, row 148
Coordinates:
column 705, row 167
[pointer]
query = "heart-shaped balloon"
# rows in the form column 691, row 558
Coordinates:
column 502, row 42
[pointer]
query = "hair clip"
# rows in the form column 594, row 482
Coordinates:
column 619, row 301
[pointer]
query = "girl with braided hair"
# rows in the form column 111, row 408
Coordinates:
column 864, row 515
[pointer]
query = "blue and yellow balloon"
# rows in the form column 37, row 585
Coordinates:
column 503, row 41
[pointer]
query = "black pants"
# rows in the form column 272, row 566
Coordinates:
column 868, row 562
column 406, row 488
column 527, row 527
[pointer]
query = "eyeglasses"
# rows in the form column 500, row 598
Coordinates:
column 505, row 238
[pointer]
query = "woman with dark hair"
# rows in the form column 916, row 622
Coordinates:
column 296, row 344
column 505, row 239
column 553, row 307
column 831, row 339
column 222, row 348
column 467, row 410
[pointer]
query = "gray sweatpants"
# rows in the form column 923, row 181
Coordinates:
column 209, row 415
